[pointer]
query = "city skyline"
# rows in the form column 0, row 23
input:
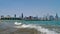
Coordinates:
column 22, row 16
column 45, row 18
column 30, row 7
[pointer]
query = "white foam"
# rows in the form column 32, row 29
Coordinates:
column 38, row 28
column 16, row 23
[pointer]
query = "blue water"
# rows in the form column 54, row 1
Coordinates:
column 57, row 23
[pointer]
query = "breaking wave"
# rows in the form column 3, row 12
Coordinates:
column 37, row 27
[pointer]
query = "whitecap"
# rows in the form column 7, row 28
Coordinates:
column 37, row 27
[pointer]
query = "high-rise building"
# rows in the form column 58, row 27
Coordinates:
column 15, row 15
column 51, row 17
column 56, row 16
column 22, row 15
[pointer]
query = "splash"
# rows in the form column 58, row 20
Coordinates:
column 37, row 27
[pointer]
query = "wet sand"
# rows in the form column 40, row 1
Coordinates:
column 19, row 31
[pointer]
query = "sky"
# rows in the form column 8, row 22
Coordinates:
column 30, row 7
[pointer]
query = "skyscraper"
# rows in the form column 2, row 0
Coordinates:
column 15, row 15
column 51, row 17
column 56, row 16
column 22, row 15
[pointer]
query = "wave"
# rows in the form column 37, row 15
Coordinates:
column 37, row 27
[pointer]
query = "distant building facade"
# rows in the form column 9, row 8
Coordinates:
column 22, row 15
column 2, row 16
column 8, row 16
column 51, row 17
column 15, row 15
column 56, row 17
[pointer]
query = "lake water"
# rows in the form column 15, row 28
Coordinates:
column 46, row 27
